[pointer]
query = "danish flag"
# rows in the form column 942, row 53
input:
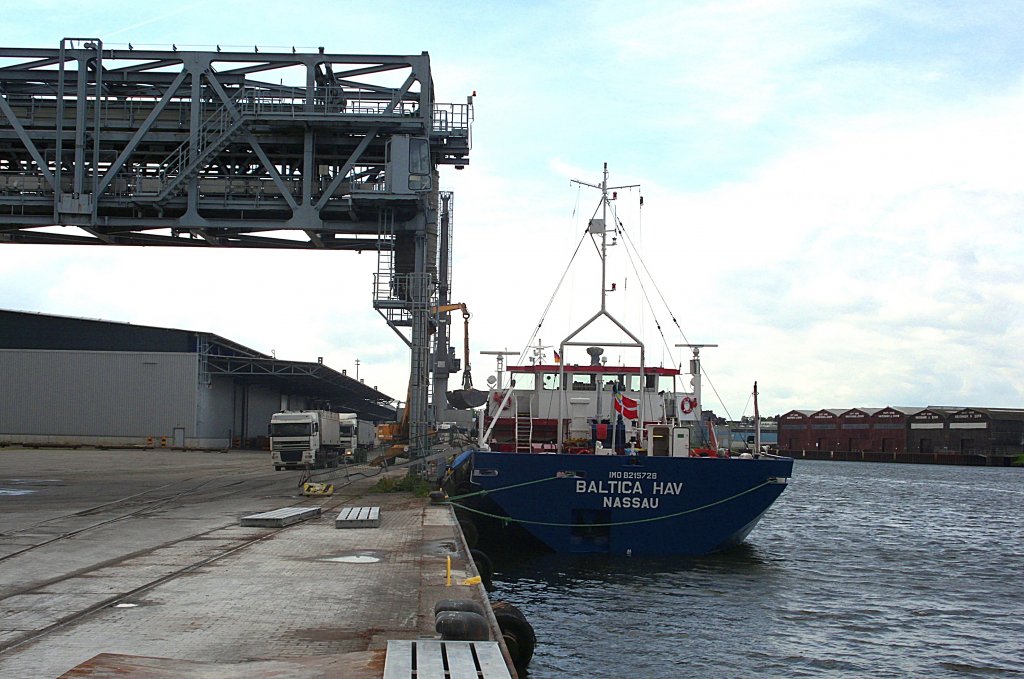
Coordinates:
column 626, row 406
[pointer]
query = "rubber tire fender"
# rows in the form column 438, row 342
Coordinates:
column 484, row 567
column 461, row 626
column 458, row 605
column 520, row 639
column 469, row 532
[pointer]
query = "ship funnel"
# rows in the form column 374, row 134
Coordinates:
column 595, row 355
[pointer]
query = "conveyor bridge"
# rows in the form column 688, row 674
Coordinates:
column 188, row 148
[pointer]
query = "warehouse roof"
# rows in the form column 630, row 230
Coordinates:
column 30, row 330
column 910, row 411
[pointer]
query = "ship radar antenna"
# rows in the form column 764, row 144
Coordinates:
column 500, row 370
column 695, row 380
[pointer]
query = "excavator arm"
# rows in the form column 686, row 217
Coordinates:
column 467, row 397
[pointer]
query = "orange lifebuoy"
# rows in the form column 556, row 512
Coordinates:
column 688, row 405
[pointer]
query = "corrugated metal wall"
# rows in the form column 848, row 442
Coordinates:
column 236, row 411
column 88, row 393
column 216, row 410
column 261, row 403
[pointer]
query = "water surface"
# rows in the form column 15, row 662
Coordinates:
column 859, row 569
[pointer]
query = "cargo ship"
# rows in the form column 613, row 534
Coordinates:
column 600, row 458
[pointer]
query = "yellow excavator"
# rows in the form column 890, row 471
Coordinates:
column 461, row 399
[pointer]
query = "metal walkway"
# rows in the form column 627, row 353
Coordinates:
column 432, row 659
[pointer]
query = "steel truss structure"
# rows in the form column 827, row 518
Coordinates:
column 213, row 148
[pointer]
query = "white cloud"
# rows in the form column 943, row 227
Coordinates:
column 831, row 194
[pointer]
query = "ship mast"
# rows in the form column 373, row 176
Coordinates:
column 600, row 227
column 757, row 424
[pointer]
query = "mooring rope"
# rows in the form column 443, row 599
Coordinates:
column 498, row 490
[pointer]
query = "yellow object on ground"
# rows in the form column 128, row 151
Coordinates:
column 317, row 489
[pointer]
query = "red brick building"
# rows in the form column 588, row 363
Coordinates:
column 929, row 431
column 937, row 434
column 853, row 430
column 824, row 430
column 889, row 429
column 794, row 430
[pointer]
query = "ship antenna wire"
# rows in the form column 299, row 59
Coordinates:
column 712, row 385
column 632, row 245
column 621, row 229
column 551, row 300
column 747, row 404
column 647, row 271
column 536, row 331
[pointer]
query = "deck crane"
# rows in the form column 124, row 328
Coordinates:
column 467, row 397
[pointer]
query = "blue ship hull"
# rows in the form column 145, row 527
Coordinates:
column 614, row 504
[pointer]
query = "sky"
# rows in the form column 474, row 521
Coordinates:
column 832, row 191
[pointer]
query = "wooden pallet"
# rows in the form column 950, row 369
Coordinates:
column 358, row 517
column 428, row 658
column 279, row 518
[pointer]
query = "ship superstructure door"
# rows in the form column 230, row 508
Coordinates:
column 664, row 440
column 680, row 442
column 659, row 440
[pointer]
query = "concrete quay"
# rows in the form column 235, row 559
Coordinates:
column 134, row 563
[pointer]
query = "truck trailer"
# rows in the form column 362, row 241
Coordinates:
column 309, row 439
column 357, row 436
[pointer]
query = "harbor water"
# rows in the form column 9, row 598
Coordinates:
column 859, row 570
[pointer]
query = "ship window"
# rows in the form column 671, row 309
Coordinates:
column 651, row 382
column 524, row 381
column 550, row 381
column 608, row 382
column 583, row 382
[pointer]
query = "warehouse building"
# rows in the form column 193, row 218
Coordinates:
column 955, row 435
column 76, row 381
column 856, row 429
column 968, row 430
